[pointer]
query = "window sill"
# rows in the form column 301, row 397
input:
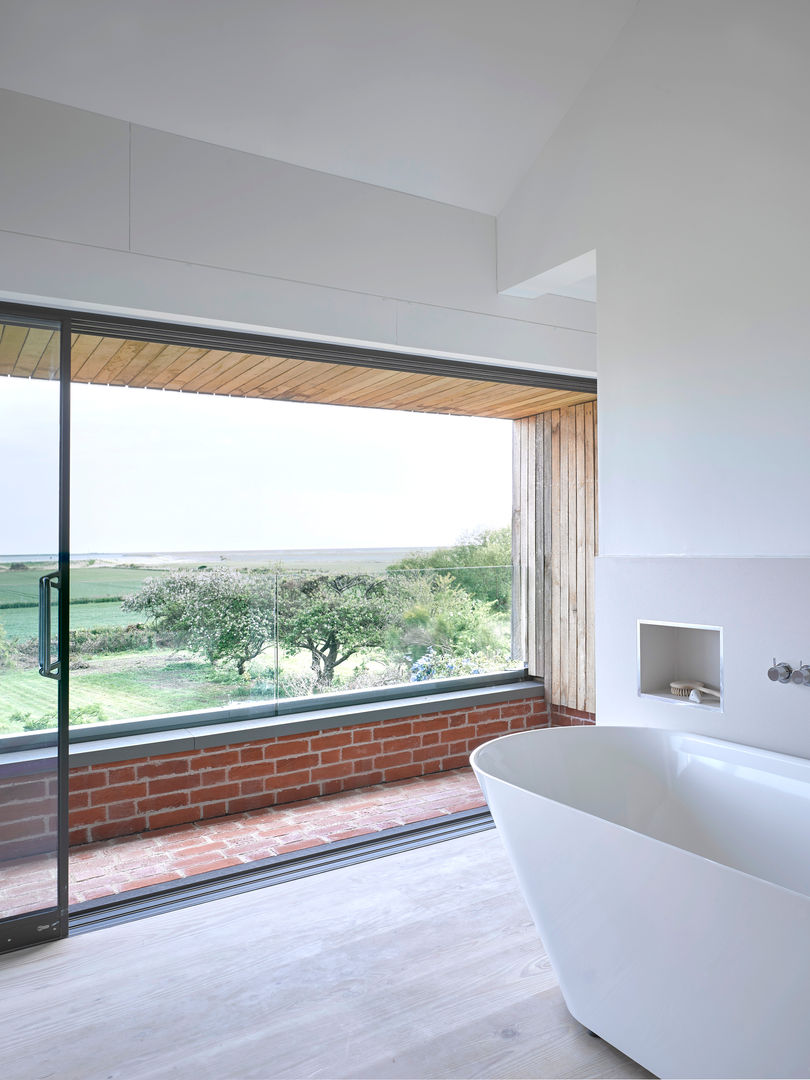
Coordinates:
column 184, row 739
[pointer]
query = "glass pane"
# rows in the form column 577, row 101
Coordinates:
column 342, row 633
column 214, row 507
column 29, row 495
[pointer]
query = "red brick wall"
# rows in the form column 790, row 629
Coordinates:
column 28, row 814
column 560, row 716
column 109, row 800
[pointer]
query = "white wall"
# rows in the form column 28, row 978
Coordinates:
column 97, row 212
column 694, row 135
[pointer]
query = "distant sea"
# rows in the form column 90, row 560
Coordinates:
column 294, row 558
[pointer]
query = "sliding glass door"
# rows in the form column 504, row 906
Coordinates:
column 33, row 646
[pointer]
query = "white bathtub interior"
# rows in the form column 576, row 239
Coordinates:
column 742, row 807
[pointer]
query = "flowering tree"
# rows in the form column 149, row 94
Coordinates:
column 222, row 613
column 333, row 616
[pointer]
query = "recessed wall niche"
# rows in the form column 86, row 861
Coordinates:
column 680, row 652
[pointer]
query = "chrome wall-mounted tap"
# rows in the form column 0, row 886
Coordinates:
column 780, row 672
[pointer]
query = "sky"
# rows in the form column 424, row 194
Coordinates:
column 160, row 471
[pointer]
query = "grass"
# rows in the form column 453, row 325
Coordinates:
column 134, row 684
column 126, row 686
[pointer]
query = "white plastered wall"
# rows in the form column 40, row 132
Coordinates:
column 98, row 213
column 690, row 168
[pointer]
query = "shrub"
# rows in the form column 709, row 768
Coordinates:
column 435, row 665
column 80, row 714
column 480, row 563
column 6, row 649
column 92, row 641
column 440, row 616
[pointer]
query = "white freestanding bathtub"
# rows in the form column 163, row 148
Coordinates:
column 669, row 877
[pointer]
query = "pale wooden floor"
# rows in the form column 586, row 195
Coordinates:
column 423, row 964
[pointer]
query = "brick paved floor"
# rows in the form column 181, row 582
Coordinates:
column 133, row 862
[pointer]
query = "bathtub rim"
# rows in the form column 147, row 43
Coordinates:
column 759, row 752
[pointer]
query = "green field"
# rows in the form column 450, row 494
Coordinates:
column 155, row 680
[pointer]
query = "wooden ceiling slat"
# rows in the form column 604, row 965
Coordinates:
column 516, row 412
column 427, row 396
column 120, row 359
column 94, row 366
column 303, row 385
column 398, row 383
column 42, row 350
column 11, row 344
column 80, row 348
column 215, row 371
column 358, row 382
column 80, row 354
column 200, row 372
column 137, row 363
column 160, row 380
column 321, row 386
column 201, row 366
column 170, row 360
column 247, row 372
column 275, row 385
column 295, row 390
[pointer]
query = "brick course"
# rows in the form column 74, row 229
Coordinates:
column 109, row 800
column 561, row 716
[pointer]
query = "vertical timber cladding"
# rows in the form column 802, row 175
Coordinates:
column 554, row 541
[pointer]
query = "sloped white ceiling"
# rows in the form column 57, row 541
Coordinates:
column 447, row 99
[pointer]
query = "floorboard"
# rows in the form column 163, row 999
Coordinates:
column 422, row 964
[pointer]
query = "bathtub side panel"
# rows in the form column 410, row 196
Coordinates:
column 688, row 967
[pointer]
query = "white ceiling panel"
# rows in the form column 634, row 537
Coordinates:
column 447, row 99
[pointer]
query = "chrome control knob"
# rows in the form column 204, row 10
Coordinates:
column 801, row 676
column 780, row 672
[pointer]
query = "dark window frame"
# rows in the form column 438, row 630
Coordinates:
column 194, row 335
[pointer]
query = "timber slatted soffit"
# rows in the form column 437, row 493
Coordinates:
column 116, row 361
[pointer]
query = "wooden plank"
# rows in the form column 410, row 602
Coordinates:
column 94, row 364
column 161, row 367
column 136, row 363
column 156, row 376
column 538, row 595
column 432, row 969
column 11, row 344
column 595, row 480
column 589, row 411
column 554, row 635
column 562, row 526
column 518, row 600
column 573, row 583
column 548, row 584
column 294, row 383
column 520, row 406
column 525, row 583
column 128, row 352
column 581, row 558
column 529, row 524
column 390, row 386
column 200, row 367
column 80, row 350
column 42, row 350
column 234, row 374
column 275, row 383
column 123, row 362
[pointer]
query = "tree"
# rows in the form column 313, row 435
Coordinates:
column 481, row 563
column 222, row 613
column 438, row 616
column 333, row 616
